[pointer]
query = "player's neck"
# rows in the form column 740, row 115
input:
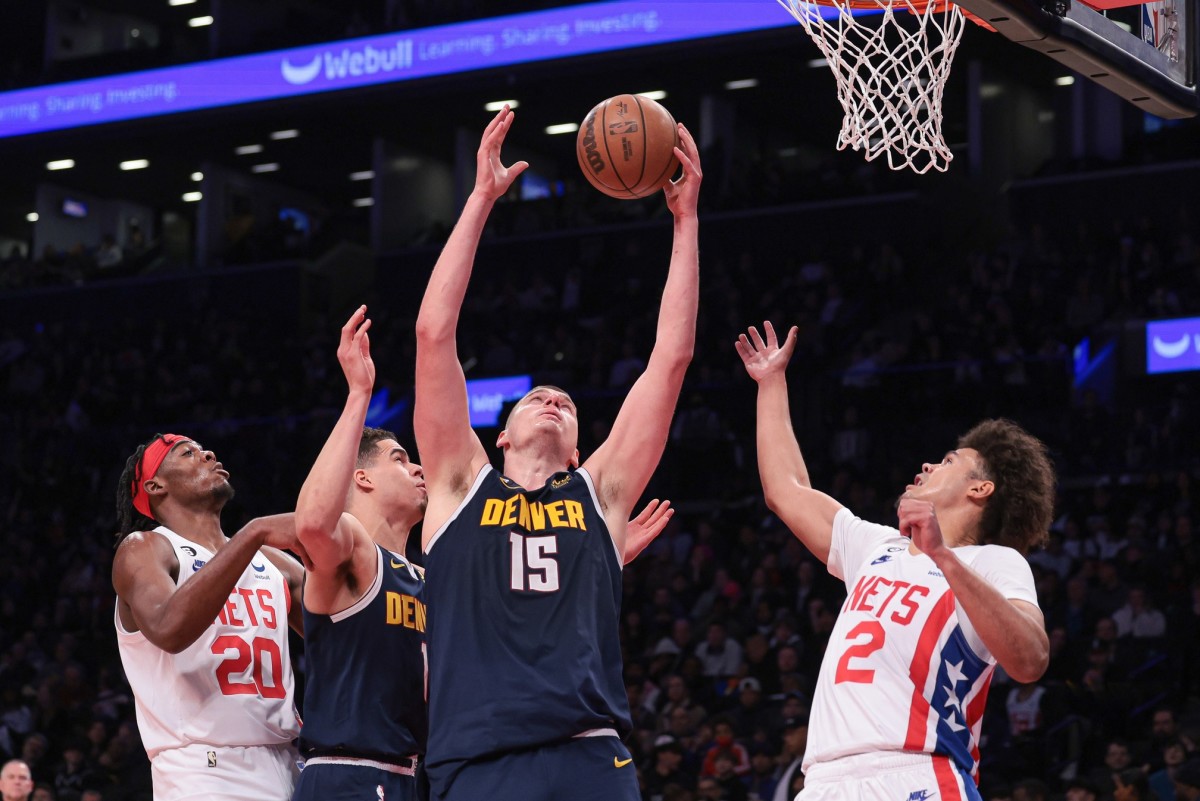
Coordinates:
column 532, row 470
column 389, row 530
column 394, row 538
column 202, row 527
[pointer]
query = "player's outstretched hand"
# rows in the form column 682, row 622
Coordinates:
column 918, row 522
column 683, row 194
column 277, row 531
column 492, row 178
column 765, row 358
column 354, row 352
column 648, row 524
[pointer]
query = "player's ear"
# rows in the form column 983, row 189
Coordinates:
column 981, row 489
column 154, row 488
column 362, row 480
column 574, row 460
column 502, row 440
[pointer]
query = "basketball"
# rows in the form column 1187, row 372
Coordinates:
column 626, row 146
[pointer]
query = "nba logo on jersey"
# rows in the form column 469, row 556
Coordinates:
column 212, row 759
column 379, row 791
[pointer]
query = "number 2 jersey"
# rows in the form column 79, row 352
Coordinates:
column 904, row 669
column 524, row 594
column 233, row 686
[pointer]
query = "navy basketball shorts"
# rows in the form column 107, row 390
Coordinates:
column 582, row 769
column 345, row 781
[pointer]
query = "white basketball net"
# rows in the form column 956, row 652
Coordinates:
column 890, row 80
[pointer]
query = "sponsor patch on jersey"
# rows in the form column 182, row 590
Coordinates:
column 189, row 550
column 560, row 482
column 937, row 573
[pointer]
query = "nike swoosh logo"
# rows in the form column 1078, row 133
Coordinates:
column 397, row 564
column 620, row 763
column 258, row 569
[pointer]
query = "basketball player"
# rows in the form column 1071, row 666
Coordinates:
column 933, row 606
column 201, row 624
column 526, row 693
column 365, row 716
column 364, row 617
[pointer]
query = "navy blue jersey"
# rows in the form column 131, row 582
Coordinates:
column 364, row 689
column 524, row 600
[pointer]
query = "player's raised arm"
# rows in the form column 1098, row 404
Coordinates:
column 451, row 453
column 786, row 486
column 622, row 466
column 328, row 535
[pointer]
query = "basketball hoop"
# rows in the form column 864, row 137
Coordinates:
column 890, row 79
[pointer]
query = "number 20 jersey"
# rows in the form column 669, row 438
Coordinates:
column 904, row 669
column 233, row 686
column 524, row 594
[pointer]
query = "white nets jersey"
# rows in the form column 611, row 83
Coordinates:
column 904, row 669
column 233, row 686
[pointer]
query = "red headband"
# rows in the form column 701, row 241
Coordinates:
column 152, row 459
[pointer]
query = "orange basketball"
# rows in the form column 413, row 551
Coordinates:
column 626, row 146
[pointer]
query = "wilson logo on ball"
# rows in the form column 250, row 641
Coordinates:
column 594, row 160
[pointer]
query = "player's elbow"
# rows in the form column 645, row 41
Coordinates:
column 430, row 330
column 771, row 494
column 1029, row 666
column 170, row 639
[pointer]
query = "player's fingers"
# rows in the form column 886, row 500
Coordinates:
column 790, row 343
column 517, row 168
column 769, row 330
column 495, row 123
column 757, row 339
column 354, row 320
column 647, row 512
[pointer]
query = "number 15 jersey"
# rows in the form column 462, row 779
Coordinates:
column 904, row 669
column 524, row 594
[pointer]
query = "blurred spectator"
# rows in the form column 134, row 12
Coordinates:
column 724, row 744
column 1081, row 789
column 666, row 770
column 1187, row 780
column 720, row 655
column 1131, row 785
column 1162, row 781
column 728, row 778
column 1117, row 757
column 795, row 740
column 1138, row 618
column 1030, row 790
column 108, row 255
column 16, row 781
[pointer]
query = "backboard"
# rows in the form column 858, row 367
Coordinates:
column 1144, row 52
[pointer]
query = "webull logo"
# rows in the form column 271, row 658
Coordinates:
column 1173, row 345
column 365, row 60
column 591, row 152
